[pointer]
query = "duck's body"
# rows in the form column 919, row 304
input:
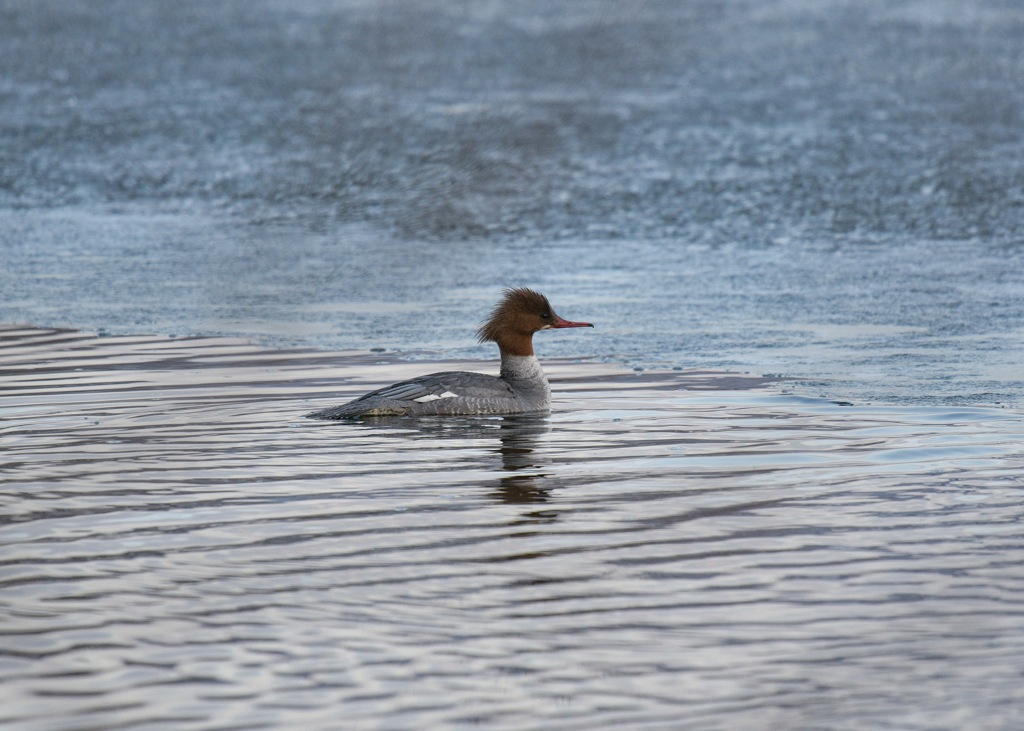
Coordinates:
column 521, row 387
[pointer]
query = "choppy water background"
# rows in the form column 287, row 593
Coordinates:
column 827, row 193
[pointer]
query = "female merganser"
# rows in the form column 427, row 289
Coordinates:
column 522, row 386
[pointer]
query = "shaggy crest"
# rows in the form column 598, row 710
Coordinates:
column 504, row 315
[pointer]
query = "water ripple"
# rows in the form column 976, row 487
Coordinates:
column 181, row 548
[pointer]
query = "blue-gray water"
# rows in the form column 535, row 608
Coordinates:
column 827, row 193
column 826, row 190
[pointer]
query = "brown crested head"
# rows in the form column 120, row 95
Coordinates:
column 513, row 321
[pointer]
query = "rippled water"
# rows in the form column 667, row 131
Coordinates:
column 827, row 190
column 181, row 549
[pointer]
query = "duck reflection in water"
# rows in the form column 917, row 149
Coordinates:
column 517, row 437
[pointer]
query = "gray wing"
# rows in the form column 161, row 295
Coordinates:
column 460, row 383
column 414, row 395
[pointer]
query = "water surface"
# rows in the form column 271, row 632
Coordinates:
column 827, row 192
column 831, row 191
column 181, row 548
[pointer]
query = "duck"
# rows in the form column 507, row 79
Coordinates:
column 520, row 387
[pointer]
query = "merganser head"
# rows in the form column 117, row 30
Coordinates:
column 515, row 319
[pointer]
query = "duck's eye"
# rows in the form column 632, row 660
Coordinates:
column 545, row 316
